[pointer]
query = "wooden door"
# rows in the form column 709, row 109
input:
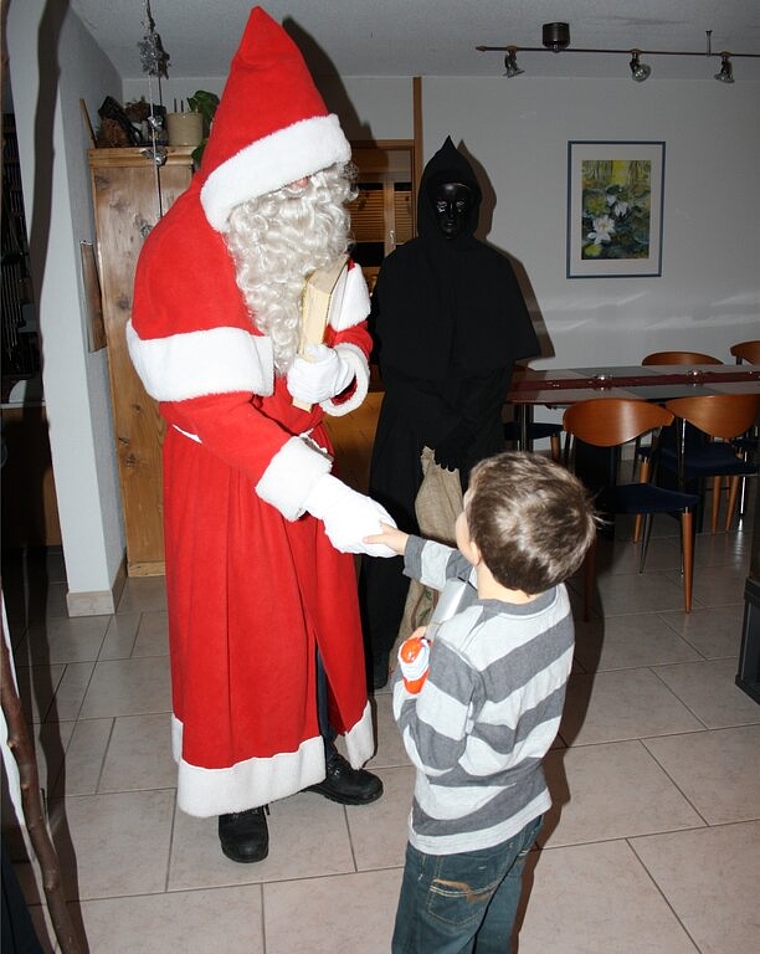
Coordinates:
column 129, row 194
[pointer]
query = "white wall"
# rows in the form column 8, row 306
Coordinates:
column 708, row 296
column 372, row 107
column 52, row 145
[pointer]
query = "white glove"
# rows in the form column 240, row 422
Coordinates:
column 348, row 516
column 319, row 375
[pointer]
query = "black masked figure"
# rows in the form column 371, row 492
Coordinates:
column 448, row 322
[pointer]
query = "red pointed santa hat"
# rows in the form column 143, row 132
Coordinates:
column 271, row 127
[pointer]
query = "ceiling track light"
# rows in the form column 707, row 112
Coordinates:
column 639, row 71
column 726, row 74
column 556, row 36
column 556, row 39
column 510, row 63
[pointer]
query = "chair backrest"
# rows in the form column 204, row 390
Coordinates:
column 680, row 357
column 607, row 422
column 719, row 415
column 746, row 351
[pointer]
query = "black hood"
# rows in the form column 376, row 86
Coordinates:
column 449, row 309
column 447, row 165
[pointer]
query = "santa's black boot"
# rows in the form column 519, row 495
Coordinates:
column 244, row 836
column 346, row 785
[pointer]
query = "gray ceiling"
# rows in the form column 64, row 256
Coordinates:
column 435, row 37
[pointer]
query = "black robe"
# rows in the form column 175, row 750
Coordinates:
column 448, row 322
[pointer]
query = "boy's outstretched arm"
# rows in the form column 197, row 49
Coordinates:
column 392, row 537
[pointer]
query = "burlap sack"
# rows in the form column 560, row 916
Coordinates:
column 438, row 504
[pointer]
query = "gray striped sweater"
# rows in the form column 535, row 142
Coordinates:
column 487, row 714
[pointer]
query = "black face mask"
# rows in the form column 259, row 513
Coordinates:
column 452, row 202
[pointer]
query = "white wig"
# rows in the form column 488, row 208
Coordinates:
column 277, row 240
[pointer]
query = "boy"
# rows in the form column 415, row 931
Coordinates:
column 490, row 707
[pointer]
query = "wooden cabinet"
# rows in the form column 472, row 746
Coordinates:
column 130, row 193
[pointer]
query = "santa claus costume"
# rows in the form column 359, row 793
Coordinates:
column 255, row 588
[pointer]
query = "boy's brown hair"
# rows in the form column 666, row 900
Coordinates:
column 532, row 520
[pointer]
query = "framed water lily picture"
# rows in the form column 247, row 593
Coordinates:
column 614, row 209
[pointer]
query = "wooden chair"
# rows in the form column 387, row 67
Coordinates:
column 536, row 431
column 665, row 357
column 746, row 351
column 610, row 423
column 722, row 417
column 680, row 357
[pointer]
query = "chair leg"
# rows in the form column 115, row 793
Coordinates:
column 636, row 449
column 648, row 521
column 717, row 489
column 589, row 575
column 555, row 446
column 745, row 455
column 742, row 496
column 733, row 493
column 644, row 479
column 687, row 550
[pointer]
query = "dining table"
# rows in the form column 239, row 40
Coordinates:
column 562, row 387
column 559, row 388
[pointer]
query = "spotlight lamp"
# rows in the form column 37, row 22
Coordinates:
column 639, row 71
column 556, row 39
column 556, row 36
column 726, row 74
column 510, row 63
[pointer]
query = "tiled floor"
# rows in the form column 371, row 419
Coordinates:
column 653, row 844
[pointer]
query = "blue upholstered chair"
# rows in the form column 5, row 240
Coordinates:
column 720, row 419
column 610, row 423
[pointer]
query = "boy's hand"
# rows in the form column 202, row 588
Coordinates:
column 414, row 660
column 390, row 537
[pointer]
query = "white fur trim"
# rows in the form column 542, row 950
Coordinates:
column 350, row 302
column 217, row 361
column 354, row 356
column 192, row 437
column 205, row 792
column 360, row 740
column 270, row 163
column 291, row 475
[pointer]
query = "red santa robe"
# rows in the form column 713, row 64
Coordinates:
column 254, row 586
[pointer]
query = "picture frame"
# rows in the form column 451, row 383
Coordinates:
column 615, row 195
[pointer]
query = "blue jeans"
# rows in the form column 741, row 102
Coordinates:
column 464, row 903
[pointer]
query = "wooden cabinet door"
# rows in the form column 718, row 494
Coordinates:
column 383, row 214
column 130, row 193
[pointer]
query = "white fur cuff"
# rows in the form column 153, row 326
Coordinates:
column 355, row 358
column 291, row 476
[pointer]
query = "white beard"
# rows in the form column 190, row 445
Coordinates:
column 277, row 241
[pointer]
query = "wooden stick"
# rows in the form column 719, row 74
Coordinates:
column 22, row 747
